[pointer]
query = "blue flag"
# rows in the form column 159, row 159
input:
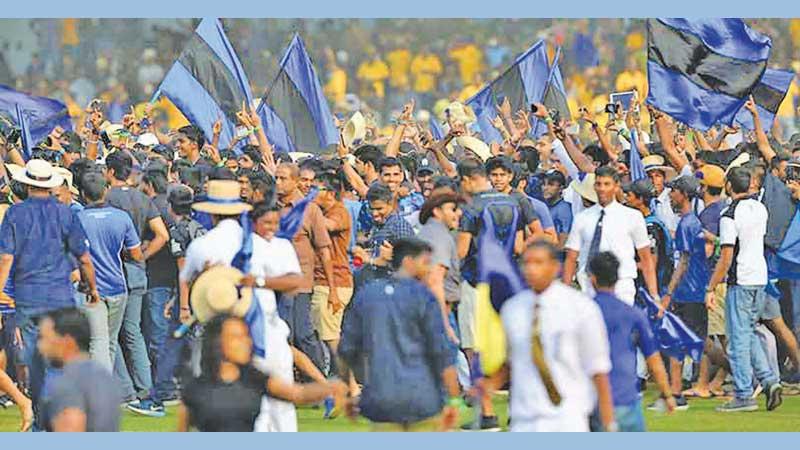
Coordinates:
column 523, row 83
column 207, row 83
column 785, row 263
column 673, row 336
column 291, row 222
column 555, row 96
column 586, row 54
column 768, row 95
column 42, row 113
column 635, row 165
column 701, row 71
column 436, row 129
column 294, row 110
column 25, row 135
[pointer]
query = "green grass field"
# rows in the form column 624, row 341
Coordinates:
column 700, row 417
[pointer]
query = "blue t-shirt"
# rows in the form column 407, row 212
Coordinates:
column 354, row 209
column 543, row 212
column 41, row 234
column 709, row 216
column 627, row 330
column 689, row 239
column 561, row 213
column 110, row 230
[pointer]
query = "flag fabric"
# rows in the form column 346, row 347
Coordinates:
column 673, row 336
column 42, row 113
column 701, row 71
column 635, row 165
column 555, row 96
column 292, row 221
column 784, row 264
column 498, row 280
column 768, row 95
column 207, row 83
column 585, row 52
column 522, row 84
column 436, row 129
column 24, row 133
column 294, row 110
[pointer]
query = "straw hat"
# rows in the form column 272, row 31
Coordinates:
column 39, row 173
column 656, row 162
column 476, row 145
column 585, row 187
column 216, row 292
column 355, row 129
column 740, row 160
column 67, row 175
column 222, row 199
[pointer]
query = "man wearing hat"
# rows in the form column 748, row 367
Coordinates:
column 273, row 266
column 38, row 237
column 660, row 173
column 685, row 294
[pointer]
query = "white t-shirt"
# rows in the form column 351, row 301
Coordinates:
column 664, row 212
column 575, row 346
column 743, row 226
column 624, row 231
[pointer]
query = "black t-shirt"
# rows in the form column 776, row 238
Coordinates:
column 133, row 201
column 227, row 407
column 162, row 271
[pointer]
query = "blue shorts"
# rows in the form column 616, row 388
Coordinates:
column 771, row 309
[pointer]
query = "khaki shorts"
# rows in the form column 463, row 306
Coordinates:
column 328, row 324
column 466, row 315
column 716, row 316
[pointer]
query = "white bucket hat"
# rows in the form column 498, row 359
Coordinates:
column 39, row 173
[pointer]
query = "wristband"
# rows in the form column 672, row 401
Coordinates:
column 456, row 402
column 548, row 119
column 184, row 308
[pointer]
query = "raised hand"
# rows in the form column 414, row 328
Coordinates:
column 504, row 109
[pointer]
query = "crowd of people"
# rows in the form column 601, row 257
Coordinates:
column 145, row 266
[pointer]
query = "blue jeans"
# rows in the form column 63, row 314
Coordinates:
column 746, row 356
column 132, row 339
column 155, row 325
column 38, row 368
column 105, row 321
column 296, row 312
column 630, row 417
column 795, row 288
column 169, row 359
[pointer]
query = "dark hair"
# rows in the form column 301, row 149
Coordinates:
column 212, row 356
column 389, row 161
column 261, row 208
column 781, row 156
column 331, row 182
column 597, row 154
column 121, row 163
column 19, row 189
column 157, row 179
column 253, row 153
column 739, row 178
column 714, row 191
column 607, row 171
column 264, row 183
column 499, row 162
column 543, row 244
column 470, row 167
column 530, row 156
column 444, row 181
column 379, row 192
column 93, row 186
column 221, row 173
column 605, row 266
column 369, row 154
column 71, row 322
column 554, row 176
column 408, row 248
column 758, row 170
column 194, row 134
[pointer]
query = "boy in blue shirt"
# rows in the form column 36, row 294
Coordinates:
column 686, row 290
column 628, row 330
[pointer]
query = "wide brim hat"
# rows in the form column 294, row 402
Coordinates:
column 223, row 199
column 656, row 162
column 355, row 130
column 39, row 173
column 67, row 175
column 461, row 113
column 217, row 291
column 297, row 156
column 740, row 160
column 475, row 145
column 585, row 187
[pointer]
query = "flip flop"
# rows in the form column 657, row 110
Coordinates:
column 717, row 393
column 695, row 394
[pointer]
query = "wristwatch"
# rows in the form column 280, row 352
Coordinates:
column 261, row 283
column 613, row 427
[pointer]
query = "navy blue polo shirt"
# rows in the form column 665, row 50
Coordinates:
column 561, row 212
column 41, row 234
column 627, row 330
column 689, row 239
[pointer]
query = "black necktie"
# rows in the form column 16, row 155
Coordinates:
column 594, row 249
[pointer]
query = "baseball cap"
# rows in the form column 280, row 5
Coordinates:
column 686, row 184
column 711, row 175
column 642, row 188
column 794, row 142
column 555, row 176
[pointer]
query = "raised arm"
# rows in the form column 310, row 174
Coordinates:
column 664, row 130
column 405, row 119
column 761, row 137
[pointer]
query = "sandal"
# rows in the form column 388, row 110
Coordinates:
column 694, row 393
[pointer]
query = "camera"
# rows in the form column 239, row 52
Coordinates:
column 612, row 108
column 534, row 108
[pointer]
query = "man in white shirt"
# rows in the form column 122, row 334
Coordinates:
column 558, row 388
column 274, row 266
column 742, row 228
column 660, row 173
column 610, row 226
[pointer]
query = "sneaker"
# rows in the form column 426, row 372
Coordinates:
column 147, row 408
column 793, row 379
column 738, row 405
column 488, row 423
column 329, row 404
column 659, row 405
column 680, row 403
column 774, row 398
column 5, row 401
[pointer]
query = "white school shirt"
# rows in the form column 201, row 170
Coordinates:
column 576, row 348
column 624, row 232
column 664, row 212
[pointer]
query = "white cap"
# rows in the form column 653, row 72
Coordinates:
column 147, row 140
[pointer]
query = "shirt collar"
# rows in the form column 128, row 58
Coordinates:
column 292, row 199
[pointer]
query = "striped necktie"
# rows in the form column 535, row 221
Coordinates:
column 537, row 352
column 594, row 248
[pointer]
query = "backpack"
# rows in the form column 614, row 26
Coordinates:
column 501, row 218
